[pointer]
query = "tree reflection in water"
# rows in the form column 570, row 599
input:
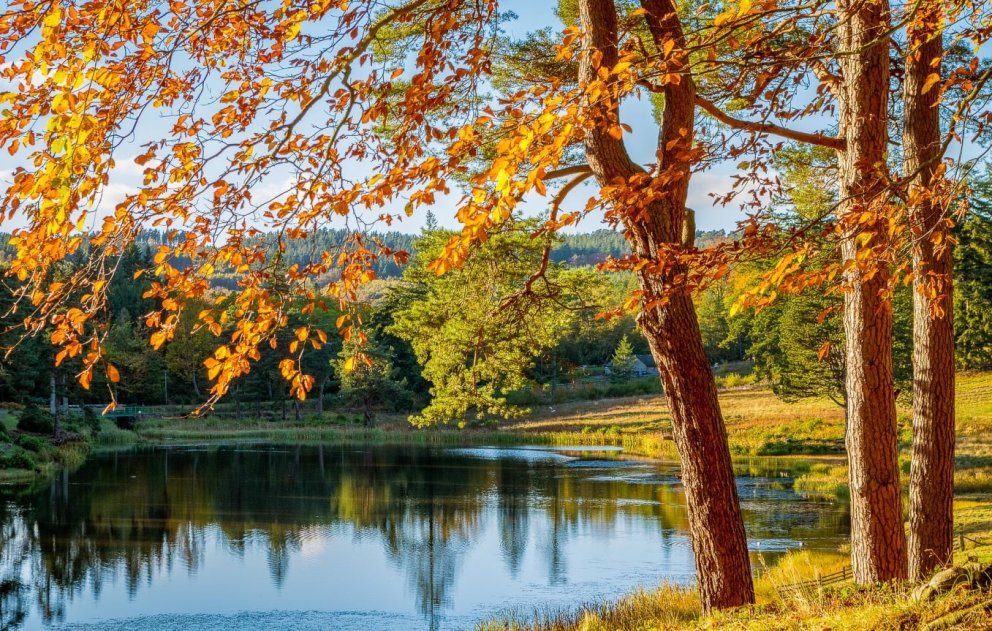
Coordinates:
column 126, row 520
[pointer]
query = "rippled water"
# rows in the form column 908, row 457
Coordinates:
column 346, row 537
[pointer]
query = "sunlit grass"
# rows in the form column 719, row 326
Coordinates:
column 843, row 607
column 760, row 423
column 824, row 481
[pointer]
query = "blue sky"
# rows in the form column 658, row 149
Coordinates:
column 532, row 15
column 641, row 142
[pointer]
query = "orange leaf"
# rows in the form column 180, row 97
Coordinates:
column 824, row 351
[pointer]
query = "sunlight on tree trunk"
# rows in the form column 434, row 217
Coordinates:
column 878, row 541
column 669, row 323
column 931, row 481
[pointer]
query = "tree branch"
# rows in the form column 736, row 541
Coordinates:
column 578, row 169
column 768, row 128
column 565, row 190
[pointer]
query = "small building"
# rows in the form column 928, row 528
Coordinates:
column 642, row 366
column 645, row 366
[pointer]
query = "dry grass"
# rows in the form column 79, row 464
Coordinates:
column 759, row 423
column 841, row 608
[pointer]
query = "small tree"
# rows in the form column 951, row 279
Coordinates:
column 477, row 330
column 368, row 379
column 622, row 364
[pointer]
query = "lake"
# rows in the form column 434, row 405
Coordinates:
column 361, row 537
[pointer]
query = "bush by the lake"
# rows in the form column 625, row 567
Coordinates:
column 35, row 421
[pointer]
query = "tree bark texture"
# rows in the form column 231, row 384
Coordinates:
column 878, row 539
column 931, row 478
column 716, row 527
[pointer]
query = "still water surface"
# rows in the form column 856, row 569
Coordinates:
column 352, row 537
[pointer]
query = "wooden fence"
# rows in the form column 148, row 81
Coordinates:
column 964, row 540
column 817, row 583
column 844, row 574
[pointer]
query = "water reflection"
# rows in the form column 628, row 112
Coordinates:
column 378, row 537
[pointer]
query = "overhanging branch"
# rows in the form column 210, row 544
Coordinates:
column 768, row 128
column 578, row 169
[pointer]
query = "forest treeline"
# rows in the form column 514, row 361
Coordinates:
column 424, row 342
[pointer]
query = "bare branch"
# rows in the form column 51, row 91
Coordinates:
column 769, row 128
column 578, row 169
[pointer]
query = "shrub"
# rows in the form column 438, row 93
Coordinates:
column 17, row 458
column 736, row 380
column 37, row 444
column 35, row 420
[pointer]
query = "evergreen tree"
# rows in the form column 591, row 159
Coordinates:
column 369, row 380
column 475, row 333
column 622, row 364
column 973, row 279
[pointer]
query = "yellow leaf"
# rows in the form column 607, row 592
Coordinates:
column 931, row 81
column 54, row 18
column 113, row 374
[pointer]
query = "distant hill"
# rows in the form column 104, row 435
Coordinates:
column 577, row 250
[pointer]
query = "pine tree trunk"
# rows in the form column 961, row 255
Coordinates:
column 931, row 479
column 715, row 523
column 716, row 527
column 878, row 540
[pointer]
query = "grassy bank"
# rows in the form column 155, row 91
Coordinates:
column 28, row 454
column 760, row 424
column 838, row 607
column 390, row 430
